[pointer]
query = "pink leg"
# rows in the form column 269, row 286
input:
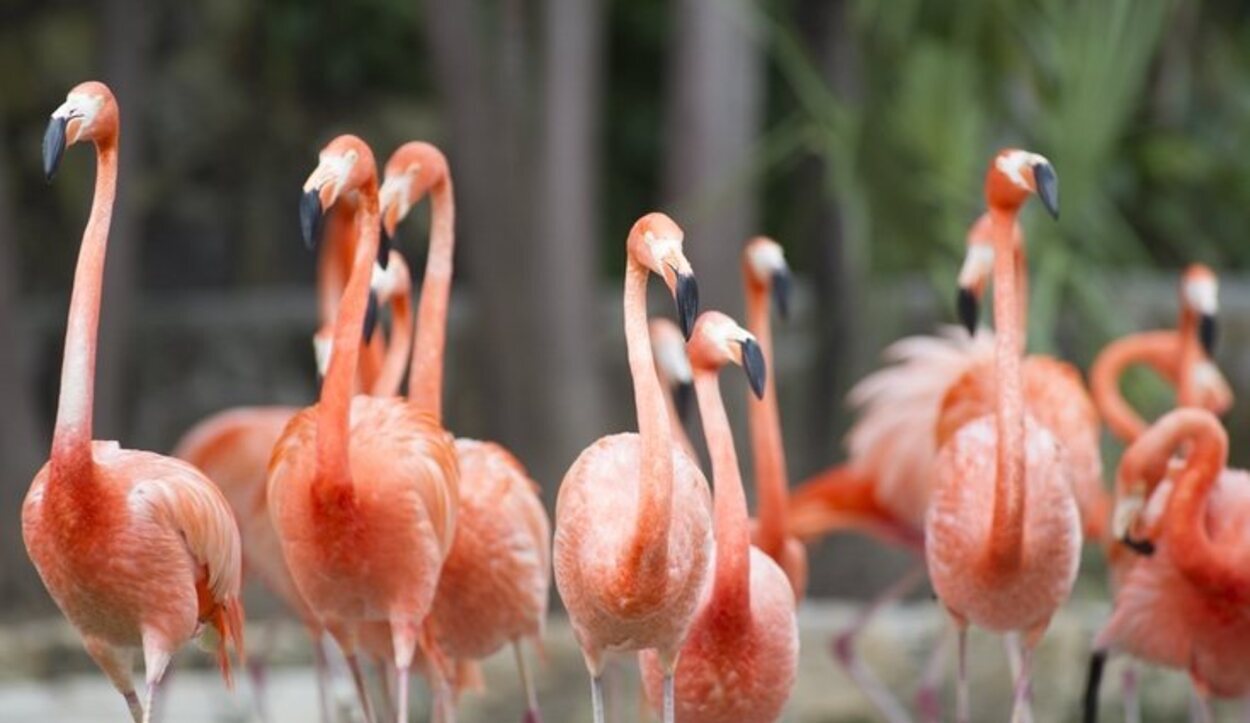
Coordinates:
column 1200, row 707
column 532, row 714
column 362, row 691
column 1020, row 709
column 854, row 667
column 116, row 664
column 384, row 668
column 928, row 693
column 1128, row 690
column 155, row 662
column 444, row 699
column 321, row 667
column 963, row 711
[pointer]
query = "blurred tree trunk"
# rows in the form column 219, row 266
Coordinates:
column 833, row 260
column 714, row 108
column 127, row 32
column 22, row 446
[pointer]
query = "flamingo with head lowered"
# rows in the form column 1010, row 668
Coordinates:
column 672, row 366
column 362, row 490
column 139, row 551
column 633, row 515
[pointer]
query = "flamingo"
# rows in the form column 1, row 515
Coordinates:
column 1003, row 531
column 672, row 366
column 766, row 275
column 138, row 550
column 232, row 448
column 494, row 586
column 1185, row 605
column 633, row 515
column 740, row 659
column 362, row 491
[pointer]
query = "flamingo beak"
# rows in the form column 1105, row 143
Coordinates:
column 753, row 365
column 311, row 218
column 1207, row 333
column 682, row 394
column 1047, row 184
column 384, row 248
column 782, row 287
column 53, row 146
column 686, row 294
column 371, row 316
column 969, row 309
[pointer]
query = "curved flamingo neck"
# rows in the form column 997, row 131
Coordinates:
column 647, row 558
column 764, row 420
column 71, row 440
column 731, row 592
column 425, row 379
column 1007, row 530
column 398, row 346
column 334, row 408
column 1191, row 354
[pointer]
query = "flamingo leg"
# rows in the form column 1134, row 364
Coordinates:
column 1097, row 661
column 1021, row 712
column 116, row 664
column 596, row 696
column 1128, row 691
column 1200, row 707
column 669, row 698
column 532, row 714
column 962, row 709
column 136, row 708
column 362, row 692
column 928, row 692
column 321, row 668
column 388, row 694
column 851, row 662
column 155, row 662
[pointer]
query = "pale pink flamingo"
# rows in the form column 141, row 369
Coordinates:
column 740, row 659
column 494, row 586
column 1003, row 531
column 633, row 515
column 766, row 276
column 138, row 550
column 1186, row 604
column 672, row 366
column 362, row 491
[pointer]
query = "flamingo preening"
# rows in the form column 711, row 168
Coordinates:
column 494, row 585
column 740, row 659
column 362, row 490
column 633, row 515
column 139, row 551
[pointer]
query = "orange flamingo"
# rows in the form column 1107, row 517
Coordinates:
column 233, row 447
column 766, row 275
column 740, row 659
column 672, row 366
column 633, row 515
column 138, row 550
column 1003, row 532
column 362, row 491
column 494, row 586
column 1185, row 606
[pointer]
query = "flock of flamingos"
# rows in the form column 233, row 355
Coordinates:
column 415, row 549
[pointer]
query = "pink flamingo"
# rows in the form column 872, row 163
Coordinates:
column 494, row 585
column 1185, row 605
column 740, row 659
column 138, row 550
column 1003, row 531
column 672, row 366
column 362, row 491
column 633, row 513
column 766, row 275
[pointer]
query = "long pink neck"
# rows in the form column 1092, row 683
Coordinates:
column 1191, row 354
column 647, row 558
column 334, row 408
column 1007, row 530
column 731, row 594
column 425, row 378
column 767, row 450
column 71, row 440
column 398, row 346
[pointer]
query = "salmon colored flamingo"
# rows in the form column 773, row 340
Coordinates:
column 494, row 586
column 233, row 447
column 1181, row 356
column 740, row 659
column 138, row 550
column 672, row 366
column 362, row 490
column 633, row 515
column 1003, row 532
column 767, row 276
column 1185, row 605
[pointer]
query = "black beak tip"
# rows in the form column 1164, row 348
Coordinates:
column 968, row 310
column 371, row 317
column 1047, row 187
column 310, row 218
column 384, row 249
column 782, row 288
column 753, row 365
column 1145, row 548
column 53, row 147
column 683, row 393
column 687, row 296
column 1208, row 333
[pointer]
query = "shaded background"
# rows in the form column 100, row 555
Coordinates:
column 855, row 132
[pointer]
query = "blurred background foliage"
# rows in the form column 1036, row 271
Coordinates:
column 855, row 131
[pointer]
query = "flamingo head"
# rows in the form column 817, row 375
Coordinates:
column 718, row 340
column 671, row 363
column 344, row 168
column 655, row 242
column 975, row 272
column 412, row 170
column 89, row 113
column 1014, row 175
column 764, row 265
column 1200, row 296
